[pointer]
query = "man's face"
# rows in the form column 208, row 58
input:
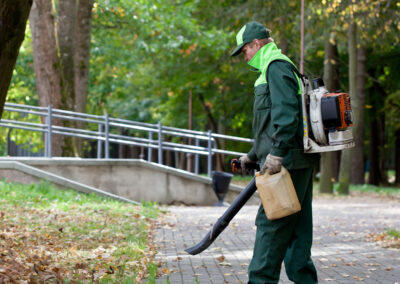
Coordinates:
column 250, row 49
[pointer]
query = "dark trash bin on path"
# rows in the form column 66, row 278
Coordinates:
column 220, row 182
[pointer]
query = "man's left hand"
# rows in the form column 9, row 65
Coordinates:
column 273, row 164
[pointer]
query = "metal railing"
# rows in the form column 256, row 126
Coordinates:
column 104, row 135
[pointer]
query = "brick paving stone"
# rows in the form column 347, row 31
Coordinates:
column 341, row 250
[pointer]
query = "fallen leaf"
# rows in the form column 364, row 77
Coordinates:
column 81, row 265
column 165, row 270
column 110, row 270
column 358, row 278
column 388, row 268
column 372, row 264
column 344, row 275
column 221, row 258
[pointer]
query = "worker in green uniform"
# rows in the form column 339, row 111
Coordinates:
column 278, row 140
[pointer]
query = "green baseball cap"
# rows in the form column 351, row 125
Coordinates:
column 249, row 32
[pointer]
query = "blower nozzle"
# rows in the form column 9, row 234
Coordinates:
column 224, row 220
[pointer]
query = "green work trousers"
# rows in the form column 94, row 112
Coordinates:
column 288, row 239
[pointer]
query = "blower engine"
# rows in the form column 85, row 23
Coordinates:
column 328, row 116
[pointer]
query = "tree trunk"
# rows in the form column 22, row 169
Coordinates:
column 182, row 160
column 66, row 48
column 81, row 59
column 54, row 59
column 66, row 39
column 377, row 174
column 168, row 158
column 344, row 174
column 358, row 106
column 13, row 17
column 46, row 63
column 397, row 157
column 283, row 44
column 214, row 128
column 382, row 156
column 374, row 177
column 331, row 79
column 337, row 155
column 82, row 52
column 127, row 151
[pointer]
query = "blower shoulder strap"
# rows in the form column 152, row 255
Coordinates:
column 302, row 77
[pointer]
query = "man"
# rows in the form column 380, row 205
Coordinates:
column 278, row 140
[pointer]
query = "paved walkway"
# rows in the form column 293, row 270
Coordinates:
column 341, row 251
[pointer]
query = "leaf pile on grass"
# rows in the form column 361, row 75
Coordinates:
column 388, row 239
column 55, row 236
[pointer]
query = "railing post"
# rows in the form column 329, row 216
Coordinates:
column 46, row 138
column 196, row 158
column 49, row 132
column 99, row 142
column 160, row 150
column 107, row 143
column 150, row 149
column 209, row 158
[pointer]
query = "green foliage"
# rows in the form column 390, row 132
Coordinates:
column 158, row 60
column 147, row 56
column 393, row 233
column 22, row 90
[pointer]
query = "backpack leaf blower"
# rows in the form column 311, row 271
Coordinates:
column 327, row 117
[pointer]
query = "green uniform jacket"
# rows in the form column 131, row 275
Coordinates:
column 277, row 112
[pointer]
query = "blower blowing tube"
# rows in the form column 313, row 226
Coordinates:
column 224, row 220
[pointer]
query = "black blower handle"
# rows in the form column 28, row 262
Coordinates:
column 236, row 165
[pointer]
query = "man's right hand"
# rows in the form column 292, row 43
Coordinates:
column 243, row 160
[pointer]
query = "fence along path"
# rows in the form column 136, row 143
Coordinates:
column 103, row 129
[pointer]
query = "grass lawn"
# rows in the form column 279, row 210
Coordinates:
column 48, row 235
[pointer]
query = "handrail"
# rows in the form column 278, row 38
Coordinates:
column 102, row 129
